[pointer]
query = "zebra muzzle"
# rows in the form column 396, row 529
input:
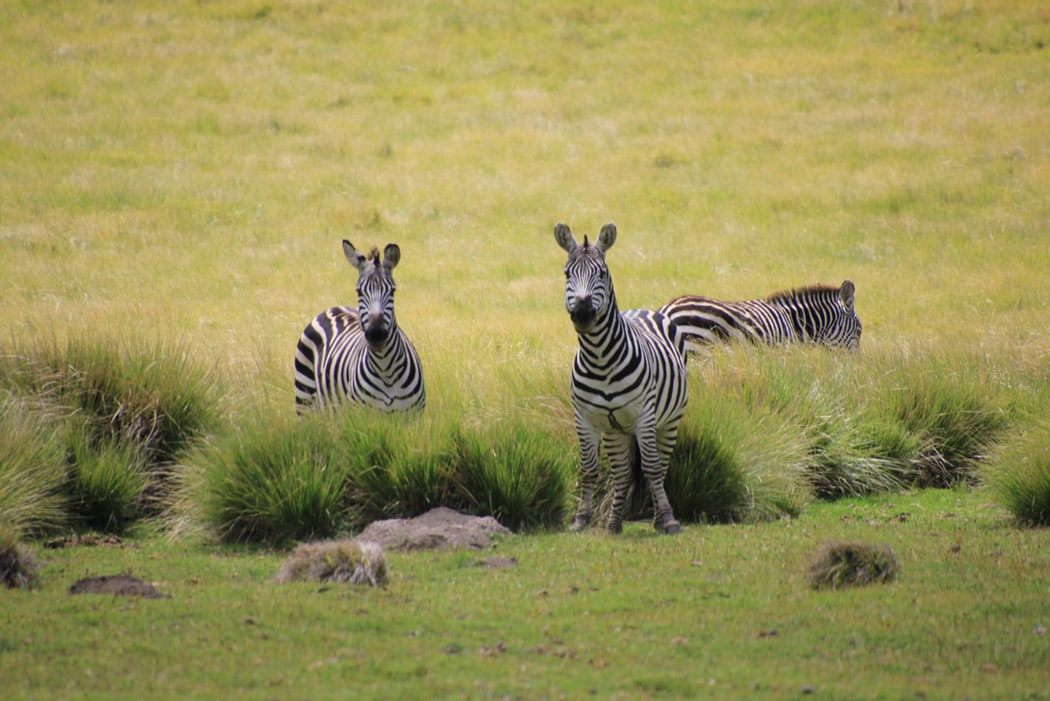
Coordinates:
column 583, row 317
column 376, row 333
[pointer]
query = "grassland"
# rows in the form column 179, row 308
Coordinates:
column 181, row 173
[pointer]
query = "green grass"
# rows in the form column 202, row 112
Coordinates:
column 1019, row 476
column 33, row 471
column 722, row 611
column 183, row 173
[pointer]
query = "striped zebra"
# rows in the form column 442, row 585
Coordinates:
column 818, row 314
column 360, row 356
column 628, row 384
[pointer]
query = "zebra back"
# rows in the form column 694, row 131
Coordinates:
column 360, row 356
column 817, row 314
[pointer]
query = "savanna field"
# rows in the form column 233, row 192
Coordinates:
column 176, row 179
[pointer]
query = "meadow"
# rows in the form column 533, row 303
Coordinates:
column 175, row 180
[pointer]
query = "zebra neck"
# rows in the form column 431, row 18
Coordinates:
column 608, row 339
column 384, row 361
column 802, row 309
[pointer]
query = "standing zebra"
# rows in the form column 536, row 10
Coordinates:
column 360, row 356
column 817, row 314
column 628, row 383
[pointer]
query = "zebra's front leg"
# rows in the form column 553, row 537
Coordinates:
column 656, row 450
column 620, row 449
column 590, row 440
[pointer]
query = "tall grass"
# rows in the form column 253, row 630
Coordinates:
column 33, row 470
column 954, row 409
column 400, row 466
column 276, row 478
column 1019, row 476
column 269, row 479
column 515, row 471
column 119, row 411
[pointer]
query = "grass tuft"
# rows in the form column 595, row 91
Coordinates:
column 950, row 408
column 19, row 568
column 107, row 483
column 515, row 472
column 154, row 396
column 348, row 561
column 125, row 411
column 33, row 470
column 271, row 479
column 1019, row 477
column 398, row 464
column 842, row 564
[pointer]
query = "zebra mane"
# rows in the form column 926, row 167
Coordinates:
column 817, row 290
column 374, row 255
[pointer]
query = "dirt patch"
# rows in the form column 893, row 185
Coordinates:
column 100, row 540
column 438, row 528
column 116, row 585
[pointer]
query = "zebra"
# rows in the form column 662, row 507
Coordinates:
column 629, row 388
column 360, row 356
column 819, row 314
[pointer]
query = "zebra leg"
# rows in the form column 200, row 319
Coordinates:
column 656, row 449
column 620, row 448
column 590, row 440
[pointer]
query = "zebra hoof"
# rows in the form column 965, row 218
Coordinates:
column 615, row 528
column 671, row 527
column 578, row 524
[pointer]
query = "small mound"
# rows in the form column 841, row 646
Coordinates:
column 117, row 585
column 353, row 561
column 438, row 528
column 838, row 565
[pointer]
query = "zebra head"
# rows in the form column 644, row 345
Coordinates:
column 846, row 327
column 588, row 287
column 375, row 290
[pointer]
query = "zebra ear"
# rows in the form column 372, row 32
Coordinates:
column 847, row 294
column 391, row 255
column 356, row 258
column 564, row 237
column 607, row 237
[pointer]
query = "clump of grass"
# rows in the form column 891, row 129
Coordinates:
column 949, row 409
column 106, row 483
column 1019, row 477
column 33, row 469
column 732, row 466
column 398, row 464
column 810, row 390
column 349, row 561
column 513, row 470
column 271, row 479
column 848, row 458
column 19, row 568
column 732, row 463
column 841, row 564
column 125, row 410
column 154, row 396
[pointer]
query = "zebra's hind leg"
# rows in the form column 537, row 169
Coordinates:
column 654, row 466
column 663, row 520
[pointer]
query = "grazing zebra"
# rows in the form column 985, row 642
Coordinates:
column 360, row 356
column 628, row 383
column 817, row 314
